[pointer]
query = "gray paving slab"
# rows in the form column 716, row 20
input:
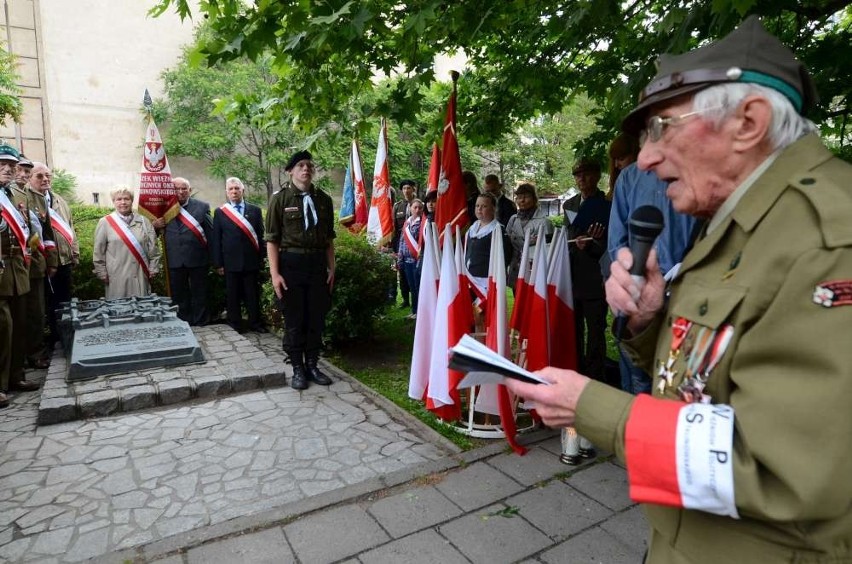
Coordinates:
column 264, row 547
column 426, row 547
column 631, row 527
column 465, row 487
column 607, row 484
column 537, row 465
column 558, row 510
column 487, row 536
column 594, row 545
column 412, row 510
column 334, row 534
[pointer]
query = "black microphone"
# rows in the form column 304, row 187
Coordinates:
column 645, row 225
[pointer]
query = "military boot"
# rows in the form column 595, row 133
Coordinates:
column 300, row 379
column 314, row 372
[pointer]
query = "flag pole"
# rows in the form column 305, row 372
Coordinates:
column 148, row 104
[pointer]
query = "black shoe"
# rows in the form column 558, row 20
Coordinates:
column 587, row 453
column 24, row 386
column 259, row 329
column 314, row 373
column 299, row 380
column 4, row 401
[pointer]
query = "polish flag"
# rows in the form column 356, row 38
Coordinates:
column 434, row 169
column 522, row 289
column 452, row 313
column 427, row 305
column 497, row 339
column 537, row 327
column 451, row 206
column 380, row 219
column 560, row 303
column 353, row 210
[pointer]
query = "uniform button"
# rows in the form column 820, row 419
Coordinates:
column 735, row 262
column 702, row 309
column 807, row 181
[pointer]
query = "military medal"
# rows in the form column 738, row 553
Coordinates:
column 680, row 328
column 691, row 390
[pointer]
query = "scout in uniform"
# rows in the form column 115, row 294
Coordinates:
column 741, row 454
column 15, row 239
column 300, row 245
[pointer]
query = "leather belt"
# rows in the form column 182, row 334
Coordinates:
column 301, row 251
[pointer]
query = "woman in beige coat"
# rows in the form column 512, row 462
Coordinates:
column 126, row 255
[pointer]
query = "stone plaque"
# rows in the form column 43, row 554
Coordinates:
column 105, row 337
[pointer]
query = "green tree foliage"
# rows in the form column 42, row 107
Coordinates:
column 10, row 102
column 223, row 115
column 64, row 183
column 526, row 58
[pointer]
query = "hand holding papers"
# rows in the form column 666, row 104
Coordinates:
column 485, row 366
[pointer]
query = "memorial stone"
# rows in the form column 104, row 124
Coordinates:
column 103, row 337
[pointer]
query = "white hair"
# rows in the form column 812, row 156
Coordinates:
column 786, row 126
column 182, row 179
column 235, row 180
column 120, row 190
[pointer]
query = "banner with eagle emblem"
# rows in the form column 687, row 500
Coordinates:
column 157, row 195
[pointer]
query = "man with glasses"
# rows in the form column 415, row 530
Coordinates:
column 742, row 451
column 67, row 247
column 300, row 244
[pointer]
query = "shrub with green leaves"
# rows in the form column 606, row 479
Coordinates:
column 362, row 278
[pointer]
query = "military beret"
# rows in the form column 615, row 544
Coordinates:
column 299, row 156
column 9, row 153
column 586, row 164
column 403, row 183
column 748, row 54
column 24, row 162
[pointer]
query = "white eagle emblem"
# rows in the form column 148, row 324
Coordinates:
column 155, row 157
column 443, row 183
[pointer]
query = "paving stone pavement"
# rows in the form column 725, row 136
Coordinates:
column 329, row 475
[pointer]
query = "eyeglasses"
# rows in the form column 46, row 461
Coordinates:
column 657, row 125
column 43, row 175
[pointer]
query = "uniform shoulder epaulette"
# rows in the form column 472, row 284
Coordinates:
column 829, row 190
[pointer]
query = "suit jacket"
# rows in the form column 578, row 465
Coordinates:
column 778, row 269
column 506, row 208
column 183, row 249
column 586, row 277
column 229, row 246
column 15, row 280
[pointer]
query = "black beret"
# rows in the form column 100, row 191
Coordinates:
column 747, row 54
column 300, row 156
column 407, row 182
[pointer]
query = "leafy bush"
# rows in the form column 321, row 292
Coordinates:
column 362, row 278
column 63, row 184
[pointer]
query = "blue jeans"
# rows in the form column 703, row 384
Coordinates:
column 633, row 379
column 412, row 276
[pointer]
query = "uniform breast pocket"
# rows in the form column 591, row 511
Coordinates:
column 292, row 215
column 707, row 305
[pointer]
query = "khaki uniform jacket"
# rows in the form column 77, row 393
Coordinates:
column 69, row 253
column 787, row 373
column 285, row 220
column 40, row 262
column 15, row 281
column 112, row 258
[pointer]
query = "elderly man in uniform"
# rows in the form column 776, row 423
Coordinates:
column 300, row 244
column 742, row 452
column 43, row 266
column 187, row 253
column 15, row 239
column 67, row 247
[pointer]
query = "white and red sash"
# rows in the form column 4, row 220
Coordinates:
column 231, row 213
column 133, row 244
column 412, row 243
column 681, row 454
column 17, row 223
column 190, row 223
column 61, row 226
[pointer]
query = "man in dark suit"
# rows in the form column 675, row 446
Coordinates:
column 237, row 252
column 505, row 207
column 187, row 242
column 587, row 216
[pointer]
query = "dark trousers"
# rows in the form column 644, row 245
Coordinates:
column 57, row 292
column 18, row 310
column 35, row 318
column 242, row 287
column 590, row 321
column 304, row 304
column 405, row 287
column 411, row 274
column 189, row 290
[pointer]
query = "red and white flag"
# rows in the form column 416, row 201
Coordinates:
column 434, row 169
column 157, row 194
column 522, row 289
column 427, row 304
column 380, row 219
column 353, row 209
column 451, row 207
column 560, row 304
column 537, row 323
column 451, row 322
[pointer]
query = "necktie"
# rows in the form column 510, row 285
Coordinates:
column 240, row 209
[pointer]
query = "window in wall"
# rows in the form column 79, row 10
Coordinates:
column 96, row 198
